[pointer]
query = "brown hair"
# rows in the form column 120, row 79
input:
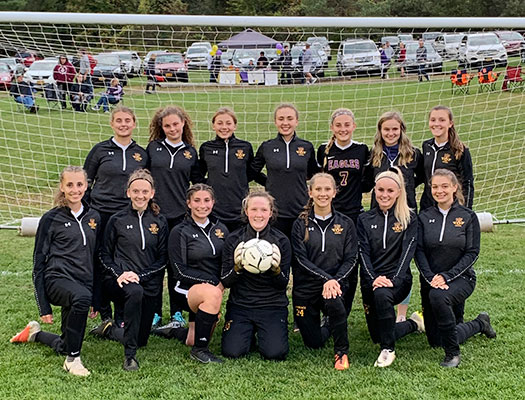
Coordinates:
column 453, row 179
column 59, row 199
column 406, row 150
column 155, row 127
column 222, row 111
column 259, row 193
column 401, row 209
column 145, row 175
column 123, row 109
column 305, row 214
column 335, row 114
column 285, row 105
column 197, row 187
column 456, row 144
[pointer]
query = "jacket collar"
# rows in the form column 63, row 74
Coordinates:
column 280, row 137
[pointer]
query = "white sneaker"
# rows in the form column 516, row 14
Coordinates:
column 386, row 357
column 314, row 80
column 76, row 367
column 417, row 317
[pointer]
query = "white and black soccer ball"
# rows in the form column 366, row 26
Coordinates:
column 257, row 256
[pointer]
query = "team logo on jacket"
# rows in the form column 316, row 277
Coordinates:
column 153, row 228
column 366, row 308
column 458, row 222
column 219, row 233
column 92, row 224
column 299, row 311
column 240, row 154
column 397, row 227
column 337, row 229
column 301, row 151
column 137, row 157
column 446, row 158
column 187, row 154
column 227, row 325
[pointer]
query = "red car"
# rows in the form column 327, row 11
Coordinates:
column 28, row 57
column 170, row 67
column 512, row 41
column 6, row 76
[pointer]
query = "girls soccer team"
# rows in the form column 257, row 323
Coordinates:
column 107, row 239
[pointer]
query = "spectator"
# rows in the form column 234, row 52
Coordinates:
column 215, row 66
column 84, row 68
column 262, row 61
column 385, row 63
column 402, row 58
column 63, row 74
column 150, row 73
column 22, row 92
column 308, row 61
column 81, row 93
column 112, row 95
column 421, row 59
column 285, row 63
column 250, row 66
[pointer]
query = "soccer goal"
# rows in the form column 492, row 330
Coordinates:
column 347, row 68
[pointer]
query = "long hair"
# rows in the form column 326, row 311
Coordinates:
column 335, row 114
column 197, row 187
column 406, row 150
column 457, row 146
column 59, row 200
column 401, row 209
column 259, row 193
column 155, row 127
column 123, row 109
column 286, row 105
column 454, row 180
column 305, row 214
column 144, row 174
column 222, row 111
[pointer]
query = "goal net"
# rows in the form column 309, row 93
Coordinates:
column 491, row 121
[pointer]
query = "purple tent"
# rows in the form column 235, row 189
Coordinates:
column 248, row 39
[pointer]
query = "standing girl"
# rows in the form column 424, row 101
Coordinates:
column 228, row 161
column 325, row 248
column 63, row 269
column 448, row 246
column 387, row 242
column 290, row 162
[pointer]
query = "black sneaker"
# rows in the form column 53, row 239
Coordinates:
column 486, row 327
column 204, row 356
column 102, row 329
column 451, row 361
column 130, row 364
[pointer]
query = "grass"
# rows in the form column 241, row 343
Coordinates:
column 490, row 368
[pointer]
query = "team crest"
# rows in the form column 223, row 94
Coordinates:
column 240, row 154
column 227, row 325
column 137, row 157
column 301, row 151
column 446, row 158
column 187, row 154
column 92, row 224
column 337, row 229
column 366, row 308
column 397, row 227
column 458, row 223
column 219, row 233
column 153, row 228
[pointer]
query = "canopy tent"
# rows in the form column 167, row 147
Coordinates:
column 248, row 39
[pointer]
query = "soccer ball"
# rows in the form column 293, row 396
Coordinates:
column 257, row 256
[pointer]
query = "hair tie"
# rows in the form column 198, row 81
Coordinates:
column 389, row 177
column 140, row 178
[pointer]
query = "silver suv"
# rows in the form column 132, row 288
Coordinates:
column 358, row 55
column 481, row 49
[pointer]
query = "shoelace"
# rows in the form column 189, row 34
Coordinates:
column 178, row 317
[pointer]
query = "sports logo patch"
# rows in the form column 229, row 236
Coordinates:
column 458, row 222
column 366, row 308
column 219, row 233
column 187, row 154
column 137, row 157
column 227, row 325
column 446, row 158
column 337, row 229
column 301, row 151
column 397, row 227
column 240, row 154
column 153, row 228
column 92, row 224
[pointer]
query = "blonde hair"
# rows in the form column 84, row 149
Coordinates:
column 59, row 199
column 144, row 175
column 114, row 81
column 456, row 145
column 222, row 111
column 454, row 180
column 335, row 114
column 305, row 214
column 401, row 209
column 406, row 150
column 285, row 105
column 123, row 109
column 259, row 193
column 155, row 126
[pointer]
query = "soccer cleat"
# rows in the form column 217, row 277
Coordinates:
column 95, row 108
column 486, row 327
column 314, row 80
column 76, row 367
column 417, row 317
column 28, row 334
column 204, row 356
column 157, row 321
column 102, row 329
column 450, row 361
column 386, row 357
column 341, row 362
column 130, row 364
column 176, row 321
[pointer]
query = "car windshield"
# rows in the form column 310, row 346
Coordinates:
column 169, row 58
column 453, row 38
column 482, row 40
column 412, row 47
column 254, row 53
column 510, row 36
column 107, row 59
column 43, row 65
column 405, row 38
column 430, row 35
column 4, row 68
column 356, row 48
column 322, row 40
column 391, row 39
column 24, row 55
column 197, row 50
column 124, row 56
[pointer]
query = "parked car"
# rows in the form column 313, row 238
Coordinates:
column 15, row 64
column 297, row 61
column 434, row 61
column 171, row 67
column 6, row 76
column 513, row 41
column 108, row 66
column 323, row 42
column 448, row 44
column 405, row 37
column 480, row 49
column 241, row 57
column 197, row 57
column 322, row 54
column 202, row 44
column 358, row 56
column 227, row 57
column 148, row 56
column 430, row 36
column 40, row 73
column 28, row 57
column 393, row 40
column 131, row 62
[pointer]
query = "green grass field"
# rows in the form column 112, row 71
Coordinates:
column 490, row 369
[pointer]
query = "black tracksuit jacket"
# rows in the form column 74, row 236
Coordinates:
column 229, row 166
column 329, row 253
column 288, row 167
column 108, row 169
column 172, row 170
column 448, row 246
column 384, row 247
column 64, row 249
column 256, row 290
column 435, row 157
column 136, row 242
column 347, row 167
column 195, row 252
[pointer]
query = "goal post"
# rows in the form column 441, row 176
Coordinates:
column 36, row 147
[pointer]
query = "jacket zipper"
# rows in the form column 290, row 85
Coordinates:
column 123, row 160
column 435, row 158
column 287, row 154
column 209, row 239
column 384, row 230
column 443, row 227
column 172, row 155
column 142, row 230
column 323, row 233
column 79, row 221
column 226, row 157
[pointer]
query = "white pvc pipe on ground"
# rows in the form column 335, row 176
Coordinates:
column 28, row 226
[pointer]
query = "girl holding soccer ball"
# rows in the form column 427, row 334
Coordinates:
column 63, row 269
column 257, row 304
column 325, row 249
